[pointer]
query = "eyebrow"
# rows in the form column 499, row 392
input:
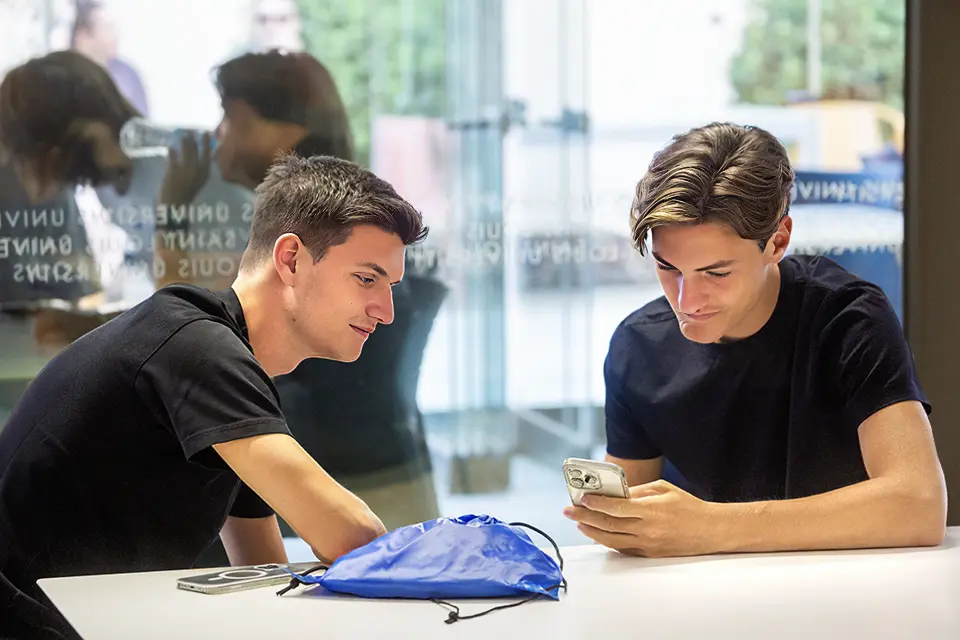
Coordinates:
column 710, row 267
column 380, row 271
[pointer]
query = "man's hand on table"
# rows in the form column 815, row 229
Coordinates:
column 658, row 520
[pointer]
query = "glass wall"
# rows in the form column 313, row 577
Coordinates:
column 520, row 130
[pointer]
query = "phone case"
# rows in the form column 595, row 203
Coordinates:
column 241, row 578
column 594, row 477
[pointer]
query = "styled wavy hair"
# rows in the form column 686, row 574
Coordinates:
column 722, row 172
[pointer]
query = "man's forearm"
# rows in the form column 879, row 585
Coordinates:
column 880, row 512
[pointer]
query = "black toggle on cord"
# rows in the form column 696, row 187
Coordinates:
column 296, row 582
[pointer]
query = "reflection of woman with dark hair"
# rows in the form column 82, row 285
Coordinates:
column 295, row 95
column 60, row 121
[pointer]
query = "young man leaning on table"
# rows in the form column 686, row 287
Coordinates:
column 781, row 387
column 151, row 435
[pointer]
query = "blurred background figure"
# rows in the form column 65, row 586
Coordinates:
column 61, row 256
column 60, row 121
column 359, row 420
column 95, row 35
column 276, row 25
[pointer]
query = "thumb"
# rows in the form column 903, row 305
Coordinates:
column 655, row 488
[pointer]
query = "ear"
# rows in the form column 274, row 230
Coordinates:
column 290, row 258
column 778, row 244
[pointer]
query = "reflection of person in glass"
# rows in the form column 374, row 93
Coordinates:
column 152, row 436
column 277, row 25
column 781, row 388
column 60, row 118
column 275, row 102
column 94, row 34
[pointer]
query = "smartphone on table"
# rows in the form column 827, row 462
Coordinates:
column 233, row 579
column 595, row 477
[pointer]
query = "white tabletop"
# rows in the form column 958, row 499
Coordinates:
column 907, row 593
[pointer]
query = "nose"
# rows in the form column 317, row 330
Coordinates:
column 691, row 298
column 383, row 307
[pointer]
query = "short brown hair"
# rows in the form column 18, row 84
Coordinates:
column 290, row 87
column 722, row 172
column 321, row 199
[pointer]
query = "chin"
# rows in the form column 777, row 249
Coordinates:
column 348, row 354
column 700, row 334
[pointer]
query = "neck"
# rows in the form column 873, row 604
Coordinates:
column 92, row 53
column 287, row 136
column 763, row 310
column 272, row 342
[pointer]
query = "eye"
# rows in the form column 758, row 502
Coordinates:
column 364, row 280
column 716, row 274
column 664, row 267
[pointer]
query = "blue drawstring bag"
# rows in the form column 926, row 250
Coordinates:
column 473, row 556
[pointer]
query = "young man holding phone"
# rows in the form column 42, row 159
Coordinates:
column 781, row 387
column 148, row 437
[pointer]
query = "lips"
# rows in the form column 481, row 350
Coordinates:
column 700, row 317
column 362, row 331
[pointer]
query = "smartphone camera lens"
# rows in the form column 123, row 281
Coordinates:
column 576, row 483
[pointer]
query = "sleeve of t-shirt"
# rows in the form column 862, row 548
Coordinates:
column 626, row 437
column 207, row 387
column 865, row 348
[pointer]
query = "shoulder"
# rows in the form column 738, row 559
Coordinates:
column 194, row 327
column 838, row 305
column 825, row 284
column 652, row 327
column 820, row 274
column 653, row 321
column 189, row 300
column 203, row 343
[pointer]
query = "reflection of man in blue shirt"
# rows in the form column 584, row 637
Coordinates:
column 95, row 35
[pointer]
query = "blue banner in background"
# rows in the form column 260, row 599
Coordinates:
column 881, row 189
column 837, row 188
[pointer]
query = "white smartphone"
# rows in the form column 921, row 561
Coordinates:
column 242, row 578
column 594, row 477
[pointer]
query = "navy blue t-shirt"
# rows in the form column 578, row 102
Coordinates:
column 772, row 416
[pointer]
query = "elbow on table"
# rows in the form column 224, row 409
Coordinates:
column 361, row 531
column 926, row 524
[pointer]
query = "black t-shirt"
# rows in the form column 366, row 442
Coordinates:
column 106, row 462
column 772, row 416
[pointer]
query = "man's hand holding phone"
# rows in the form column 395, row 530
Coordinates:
column 655, row 520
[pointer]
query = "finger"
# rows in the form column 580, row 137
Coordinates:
column 618, row 541
column 655, row 488
column 616, row 507
column 172, row 156
column 599, row 520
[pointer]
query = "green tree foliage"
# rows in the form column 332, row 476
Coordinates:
column 863, row 48
column 387, row 57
